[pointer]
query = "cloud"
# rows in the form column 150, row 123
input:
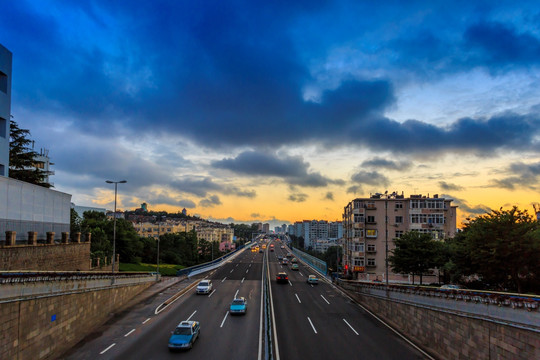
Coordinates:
column 255, row 215
column 299, row 197
column 163, row 197
column 200, row 186
column 380, row 163
column 523, row 175
column 210, row 202
column 370, row 178
column 450, row 187
column 466, row 208
column 329, row 196
column 355, row 189
column 292, row 169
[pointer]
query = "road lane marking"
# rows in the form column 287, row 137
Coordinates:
column 145, row 321
column 223, row 279
column 350, row 327
column 290, row 283
column 301, row 274
column 213, row 291
column 236, row 293
column 232, row 270
column 189, row 318
column 247, row 271
column 107, row 349
column 297, row 298
column 237, row 264
column 324, row 299
column 313, row 327
column 243, row 279
column 225, row 318
column 250, row 265
column 129, row 333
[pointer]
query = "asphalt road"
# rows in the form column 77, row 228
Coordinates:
column 312, row 322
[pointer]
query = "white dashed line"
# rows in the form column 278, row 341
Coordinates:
column 213, row 291
column 236, row 293
column 129, row 333
column 225, row 318
column 297, row 298
column 223, row 279
column 247, row 271
column 313, row 327
column 350, row 327
column 301, row 274
column 324, row 299
column 145, row 321
column 189, row 318
column 243, row 279
column 290, row 283
column 232, row 270
column 107, row 349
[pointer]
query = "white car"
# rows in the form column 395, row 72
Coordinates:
column 204, row 287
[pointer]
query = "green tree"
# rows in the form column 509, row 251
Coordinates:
column 503, row 248
column 74, row 222
column 22, row 158
column 415, row 253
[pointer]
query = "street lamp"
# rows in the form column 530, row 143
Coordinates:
column 114, row 222
column 386, row 236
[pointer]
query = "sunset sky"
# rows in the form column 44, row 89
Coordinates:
column 250, row 111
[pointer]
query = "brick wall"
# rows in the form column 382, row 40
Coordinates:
column 448, row 335
column 45, row 328
column 52, row 257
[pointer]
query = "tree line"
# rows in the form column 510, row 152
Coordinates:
column 181, row 248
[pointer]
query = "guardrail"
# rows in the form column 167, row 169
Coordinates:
column 200, row 268
column 9, row 277
column 312, row 261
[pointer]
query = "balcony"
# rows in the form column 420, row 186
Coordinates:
column 358, row 225
column 371, row 207
column 371, row 251
column 371, row 265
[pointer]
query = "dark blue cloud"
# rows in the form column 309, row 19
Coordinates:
column 200, row 186
column 369, row 178
column 450, row 187
column 211, row 201
column 523, row 176
column 292, row 169
column 298, row 197
column 380, row 163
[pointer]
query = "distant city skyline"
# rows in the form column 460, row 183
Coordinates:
column 276, row 113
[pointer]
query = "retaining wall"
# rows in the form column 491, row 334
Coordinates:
column 59, row 314
column 452, row 328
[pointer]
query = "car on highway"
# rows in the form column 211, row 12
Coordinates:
column 284, row 261
column 294, row 267
column 280, row 258
column 185, row 335
column 282, row 278
column 204, row 287
column 289, row 255
column 294, row 260
column 312, row 279
column 238, row 306
column 283, row 246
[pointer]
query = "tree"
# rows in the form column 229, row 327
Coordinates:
column 75, row 222
column 503, row 248
column 22, row 159
column 415, row 253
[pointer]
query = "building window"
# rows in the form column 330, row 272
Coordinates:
column 358, row 218
column 371, row 219
column 3, row 82
column 399, row 219
column 371, row 233
column 3, row 127
column 358, row 262
column 358, row 204
column 399, row 233
column 359, row 233
column 370, row 205
column 371, row 262
column 371, row 248
column 399, row 205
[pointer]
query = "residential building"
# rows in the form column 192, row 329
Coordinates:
column 5, row 108
column 316, row 231
column 82, row 209
column 371, row 224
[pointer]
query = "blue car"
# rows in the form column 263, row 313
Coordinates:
column 238, row 306
column 184, row 335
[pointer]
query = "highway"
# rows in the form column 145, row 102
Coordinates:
column 311, row 321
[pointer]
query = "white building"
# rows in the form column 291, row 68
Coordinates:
column 5, row 108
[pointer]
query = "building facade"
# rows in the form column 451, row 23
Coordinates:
column 371, row 224
column 5, row 108
column 317, row 234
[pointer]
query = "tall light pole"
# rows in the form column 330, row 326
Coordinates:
column 114, row 222
column 386, row 236
column 157, row 267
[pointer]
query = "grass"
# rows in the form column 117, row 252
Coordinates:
column 164, row 269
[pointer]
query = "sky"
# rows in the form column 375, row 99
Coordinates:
column 280, row 111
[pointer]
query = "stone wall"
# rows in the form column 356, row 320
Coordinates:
column 452, row 334
column 46, row 327
column 51, row 257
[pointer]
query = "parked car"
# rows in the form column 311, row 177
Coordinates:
column 282, row 278
column 204, row 287
column 312, row 279
column 294, row 267
column 238, row 306
column 185, row 335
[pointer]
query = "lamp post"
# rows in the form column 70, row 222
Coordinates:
column 114, row 222
column 157, row 260
column 386, row 236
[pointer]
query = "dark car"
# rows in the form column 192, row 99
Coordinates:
column 282, row 278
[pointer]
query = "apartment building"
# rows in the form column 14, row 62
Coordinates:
column 371, row 224
column 5, row 108
column 317, row 232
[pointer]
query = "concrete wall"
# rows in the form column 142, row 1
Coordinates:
column 449, row 328
column 46, row 326
column 50, row 257
column 26, row 207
